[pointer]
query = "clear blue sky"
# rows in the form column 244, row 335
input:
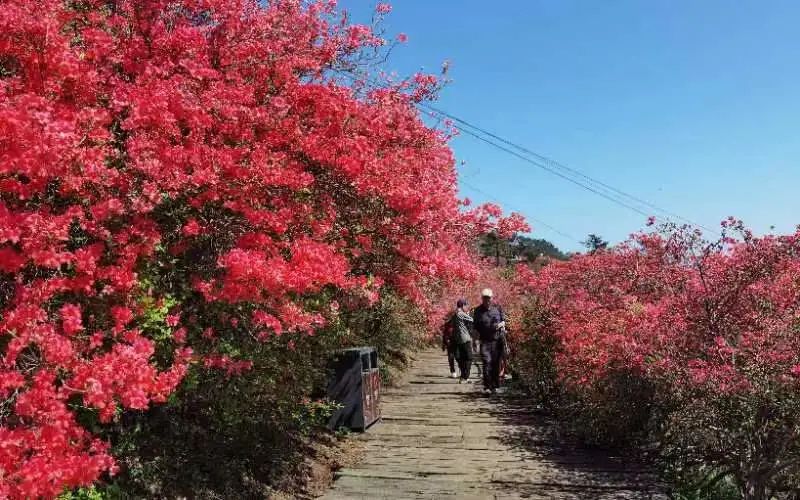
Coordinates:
column 690, row 105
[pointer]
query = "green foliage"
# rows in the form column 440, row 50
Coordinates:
column 702, row 484
column 520, row 248
column 8, row 66
column 594, row 243
column 494, row 247
column 108, row 492
column 82, row 494
column 154, row 317
column 752, row 438
column 226, row 436
column 530, row 249
column 394, row 326
column 619, row 413
column 313, row 414
column 534, row 356
column 342, row 433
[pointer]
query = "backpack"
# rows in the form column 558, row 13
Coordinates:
column 447, row 332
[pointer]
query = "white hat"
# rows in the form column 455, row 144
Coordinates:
column 487, row 292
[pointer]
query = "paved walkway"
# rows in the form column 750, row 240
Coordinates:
column 441, row 439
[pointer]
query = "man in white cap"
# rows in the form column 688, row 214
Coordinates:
column 489, row 321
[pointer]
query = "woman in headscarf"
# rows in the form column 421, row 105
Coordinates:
column 462, row 338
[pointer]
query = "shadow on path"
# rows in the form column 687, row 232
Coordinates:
column 439, row 439
column 576, row 470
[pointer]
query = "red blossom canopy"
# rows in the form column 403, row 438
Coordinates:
column 203, row 139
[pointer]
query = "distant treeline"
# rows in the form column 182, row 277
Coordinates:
column 518, row 249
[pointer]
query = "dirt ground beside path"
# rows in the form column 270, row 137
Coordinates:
column 439, row 439
column 313, row 477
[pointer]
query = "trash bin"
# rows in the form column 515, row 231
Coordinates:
column 354, row 383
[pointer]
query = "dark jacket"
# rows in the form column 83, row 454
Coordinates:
column 447, row 334
column 486, row 320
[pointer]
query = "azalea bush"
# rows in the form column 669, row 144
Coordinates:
column 534, row 349
column 227, row 433
column 183, row 181
column 394, row 325
column 689, row 346
column 507, row 289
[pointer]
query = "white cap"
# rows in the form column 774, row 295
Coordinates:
column 487, row 292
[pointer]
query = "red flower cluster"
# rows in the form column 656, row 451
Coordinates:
column 204, row 143
column 703, row 335
column 718, row 317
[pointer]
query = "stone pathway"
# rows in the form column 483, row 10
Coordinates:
column 442, row 440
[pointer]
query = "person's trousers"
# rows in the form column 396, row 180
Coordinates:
column 451, row 358
column 464, row 356
column 492, row 353
column 476, row 357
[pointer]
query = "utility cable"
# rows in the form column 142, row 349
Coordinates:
column 517, row 209
column 556, row 164
column 595, row 186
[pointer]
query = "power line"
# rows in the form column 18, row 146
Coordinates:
column 599, row 188
column 561, row 166
column 554, row 172
column 537, row 220
column 527, row 159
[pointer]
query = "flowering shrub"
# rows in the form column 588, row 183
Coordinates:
column 691, row 342
column 177, row 177
column 507, row 289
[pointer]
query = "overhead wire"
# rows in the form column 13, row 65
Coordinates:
column 538, row 221
column 555, row 164
column 474, row 188
column 554, row 172
column 524, row 158
column 588, row 183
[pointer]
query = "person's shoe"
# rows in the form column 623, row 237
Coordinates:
column 453, row 375
column 493, row 391
column 486, row 390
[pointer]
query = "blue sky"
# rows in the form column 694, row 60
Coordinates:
column 690, row 105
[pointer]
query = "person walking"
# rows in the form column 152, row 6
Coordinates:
column 449, row 346
column 489, row 320
column 462, row 323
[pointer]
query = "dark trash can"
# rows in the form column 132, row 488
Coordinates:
column 355, row 383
